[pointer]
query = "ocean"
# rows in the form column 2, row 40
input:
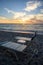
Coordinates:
column 22, row 27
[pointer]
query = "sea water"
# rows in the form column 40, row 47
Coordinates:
column 22, row 27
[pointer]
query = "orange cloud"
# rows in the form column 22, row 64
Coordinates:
column 32, row 20
column 16, row 21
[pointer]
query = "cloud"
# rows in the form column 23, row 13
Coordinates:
column 16, row 15
column 27, row 17
column 32, row 5
column 9, row 11
column 24, row 17
column 2, row 17
column 35, row 17
column 19, row 15
column 41, row 10
column 39, row 16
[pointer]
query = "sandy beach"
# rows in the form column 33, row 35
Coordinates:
column 10, row 36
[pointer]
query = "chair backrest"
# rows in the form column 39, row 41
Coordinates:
column 34, row 36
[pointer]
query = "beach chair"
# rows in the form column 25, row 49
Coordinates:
column 19, row 49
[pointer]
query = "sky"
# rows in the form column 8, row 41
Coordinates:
column 21, row 11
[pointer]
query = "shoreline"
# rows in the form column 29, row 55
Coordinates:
column 23, row 31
